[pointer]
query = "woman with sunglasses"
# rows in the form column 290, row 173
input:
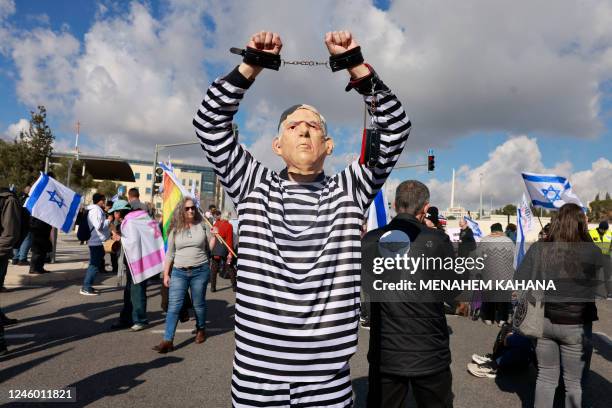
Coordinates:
column 188, row 259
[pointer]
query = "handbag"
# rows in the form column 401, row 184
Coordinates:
column 528, row 317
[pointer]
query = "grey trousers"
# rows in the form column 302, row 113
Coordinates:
column 567, row 346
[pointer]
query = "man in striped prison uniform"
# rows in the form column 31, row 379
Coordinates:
column 297, row 301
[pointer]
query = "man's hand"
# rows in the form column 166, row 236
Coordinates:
column 265, row 41
column 339, row 42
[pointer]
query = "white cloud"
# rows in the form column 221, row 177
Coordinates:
column 14, row 129
column 501, row 177
column 458, row 67
column 7, row 8
column 597, row 180
column 46, row 63
column 42, row 18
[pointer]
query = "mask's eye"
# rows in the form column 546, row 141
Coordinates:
column 314, row 125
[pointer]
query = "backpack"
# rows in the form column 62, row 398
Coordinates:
column 83, row 232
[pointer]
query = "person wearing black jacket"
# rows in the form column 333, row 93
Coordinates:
column 409, row 338
column 9, row 234
column 22, row 246
column 569, row 258
column 467, row 243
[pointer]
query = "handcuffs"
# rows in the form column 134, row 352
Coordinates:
column 370, row 144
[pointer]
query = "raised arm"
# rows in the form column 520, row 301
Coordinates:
column 388, row 116
column 234, row 165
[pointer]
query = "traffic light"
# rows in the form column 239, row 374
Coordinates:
column 431, row 165
column 159, row 172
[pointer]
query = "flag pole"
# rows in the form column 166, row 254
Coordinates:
column 219, row 237
column 540, row 219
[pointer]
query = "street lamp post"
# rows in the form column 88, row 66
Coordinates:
column 159, row 147
column 480, row 211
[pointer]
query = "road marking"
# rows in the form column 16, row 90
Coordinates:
column 19, row 336
column 604, row 337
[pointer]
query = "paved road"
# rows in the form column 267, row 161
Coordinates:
column 63, row 340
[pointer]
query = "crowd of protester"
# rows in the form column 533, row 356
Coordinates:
column 297, row 330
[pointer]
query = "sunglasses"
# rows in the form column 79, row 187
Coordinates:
column 192, row 208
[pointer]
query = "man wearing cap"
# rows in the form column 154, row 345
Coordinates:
column 602, row 237
column 297, row 300
column 98, row 224
column 133, row 314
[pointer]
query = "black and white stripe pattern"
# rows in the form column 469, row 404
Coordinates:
column 299, row 255
column 253, row 392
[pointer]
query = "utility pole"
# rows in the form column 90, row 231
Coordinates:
column 76, row 154
column 480, row 211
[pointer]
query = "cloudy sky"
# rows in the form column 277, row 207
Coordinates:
column 494, row 90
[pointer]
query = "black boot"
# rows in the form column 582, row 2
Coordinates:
column 232, row 276
column 213, row 275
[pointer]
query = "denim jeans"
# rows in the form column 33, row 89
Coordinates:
column 196, row 279
column 96, row 255
column 21, row 253
column 567, row 346
column 134, row 309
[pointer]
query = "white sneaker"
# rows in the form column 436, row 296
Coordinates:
column 478, row 359
column 481, row 371
column 138, row 327
column 88, row 293
column 488, row 322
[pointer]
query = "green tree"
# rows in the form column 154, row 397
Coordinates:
column 107, row 187
column 509, row 209
column 37, row 141
column 78, row 182
column 600, row 209
column 24, row 158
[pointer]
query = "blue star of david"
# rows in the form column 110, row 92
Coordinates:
column 56, row 198
column 555, row 194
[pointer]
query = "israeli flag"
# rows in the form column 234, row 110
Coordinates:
column 196, row 197
column 473, row 226
column 549, row 191
column 524, row 221
column 378, row 213
column 54, row 203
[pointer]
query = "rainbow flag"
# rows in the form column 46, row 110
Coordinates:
column 172, row 194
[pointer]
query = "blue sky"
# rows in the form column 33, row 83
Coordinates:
column 554, row 91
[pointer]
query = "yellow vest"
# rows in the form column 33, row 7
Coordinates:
column 603, row 242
